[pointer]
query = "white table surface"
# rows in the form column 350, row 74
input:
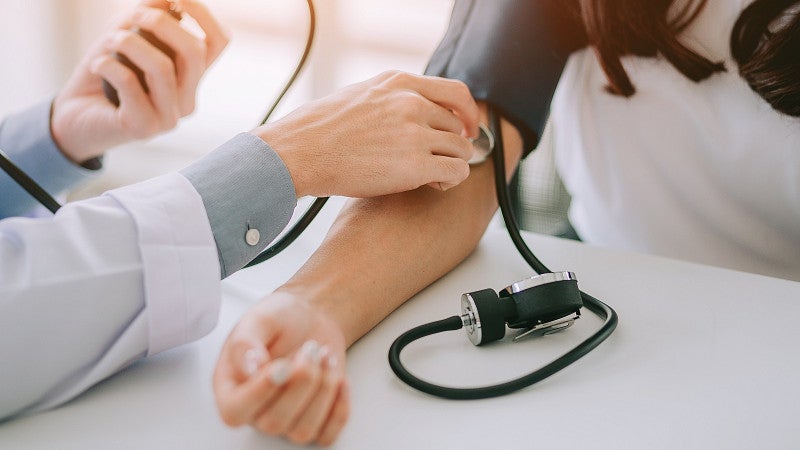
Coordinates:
column 702, row 358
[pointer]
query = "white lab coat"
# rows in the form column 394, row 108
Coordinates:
column 103, row 283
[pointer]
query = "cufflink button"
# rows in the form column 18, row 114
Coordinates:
column 252, row 237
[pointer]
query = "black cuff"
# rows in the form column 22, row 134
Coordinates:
column 511, row 54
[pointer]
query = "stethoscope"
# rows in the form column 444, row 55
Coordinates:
column 545, row 303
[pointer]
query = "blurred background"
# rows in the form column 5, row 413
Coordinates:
column 42, row 40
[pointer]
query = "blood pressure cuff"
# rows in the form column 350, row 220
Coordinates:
column 511, row 54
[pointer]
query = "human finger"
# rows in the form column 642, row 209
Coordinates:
column 451, row 94
column 245, row 378
column 338, row 416
column 277, row 417
column 216, row 38
column 135, row 112
column 444, row 172
column 241, row 358
column 159, row 73
column 124, row 80
column 445, row 143
column 441, row 118
column 187, row 50
column 309, row 425
column 241, row 403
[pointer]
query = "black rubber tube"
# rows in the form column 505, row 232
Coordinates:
column 25, row 182
column 292, row 234
column 315, row 207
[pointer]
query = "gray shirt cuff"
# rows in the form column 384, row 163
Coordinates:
column 249, row 197
column 25, row 137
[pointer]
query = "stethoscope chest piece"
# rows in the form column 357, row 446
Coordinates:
column 539, row 305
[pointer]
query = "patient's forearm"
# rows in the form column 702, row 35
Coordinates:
column 382, row 251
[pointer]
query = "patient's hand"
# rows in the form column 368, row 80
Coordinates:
column 281, row 370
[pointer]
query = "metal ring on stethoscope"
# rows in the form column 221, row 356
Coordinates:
column 538, row 280
column 483, row 145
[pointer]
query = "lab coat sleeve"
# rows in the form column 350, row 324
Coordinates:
column 102, row 283
column 25, row 137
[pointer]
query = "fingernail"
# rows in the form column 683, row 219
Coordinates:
column 253, row 359
column 331, row 361
column 324, row 352
column 311, row 351
column 279, row 372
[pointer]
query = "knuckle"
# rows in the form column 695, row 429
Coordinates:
column 138, row 13
column 170, row 122
column 410, row 104
column 112, row 41
column 188, row 107
column 109, row 40
column 387, row 75
column 152, row 18
column 411, row 134
column 462, row 88
column 199, row 51
column 397, row 78
column 465, row 145
column 122, row 39
column 224, row 38
column 128, row 79
column 163, row 68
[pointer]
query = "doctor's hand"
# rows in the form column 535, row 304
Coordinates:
column 281, row 371
column 85, row 124
column 392, row 133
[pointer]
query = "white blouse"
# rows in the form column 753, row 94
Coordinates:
column 706, row 172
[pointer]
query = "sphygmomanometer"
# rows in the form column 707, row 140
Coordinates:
column 511, row 55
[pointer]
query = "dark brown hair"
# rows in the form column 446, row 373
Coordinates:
column 766, row 44
column 768, row 59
